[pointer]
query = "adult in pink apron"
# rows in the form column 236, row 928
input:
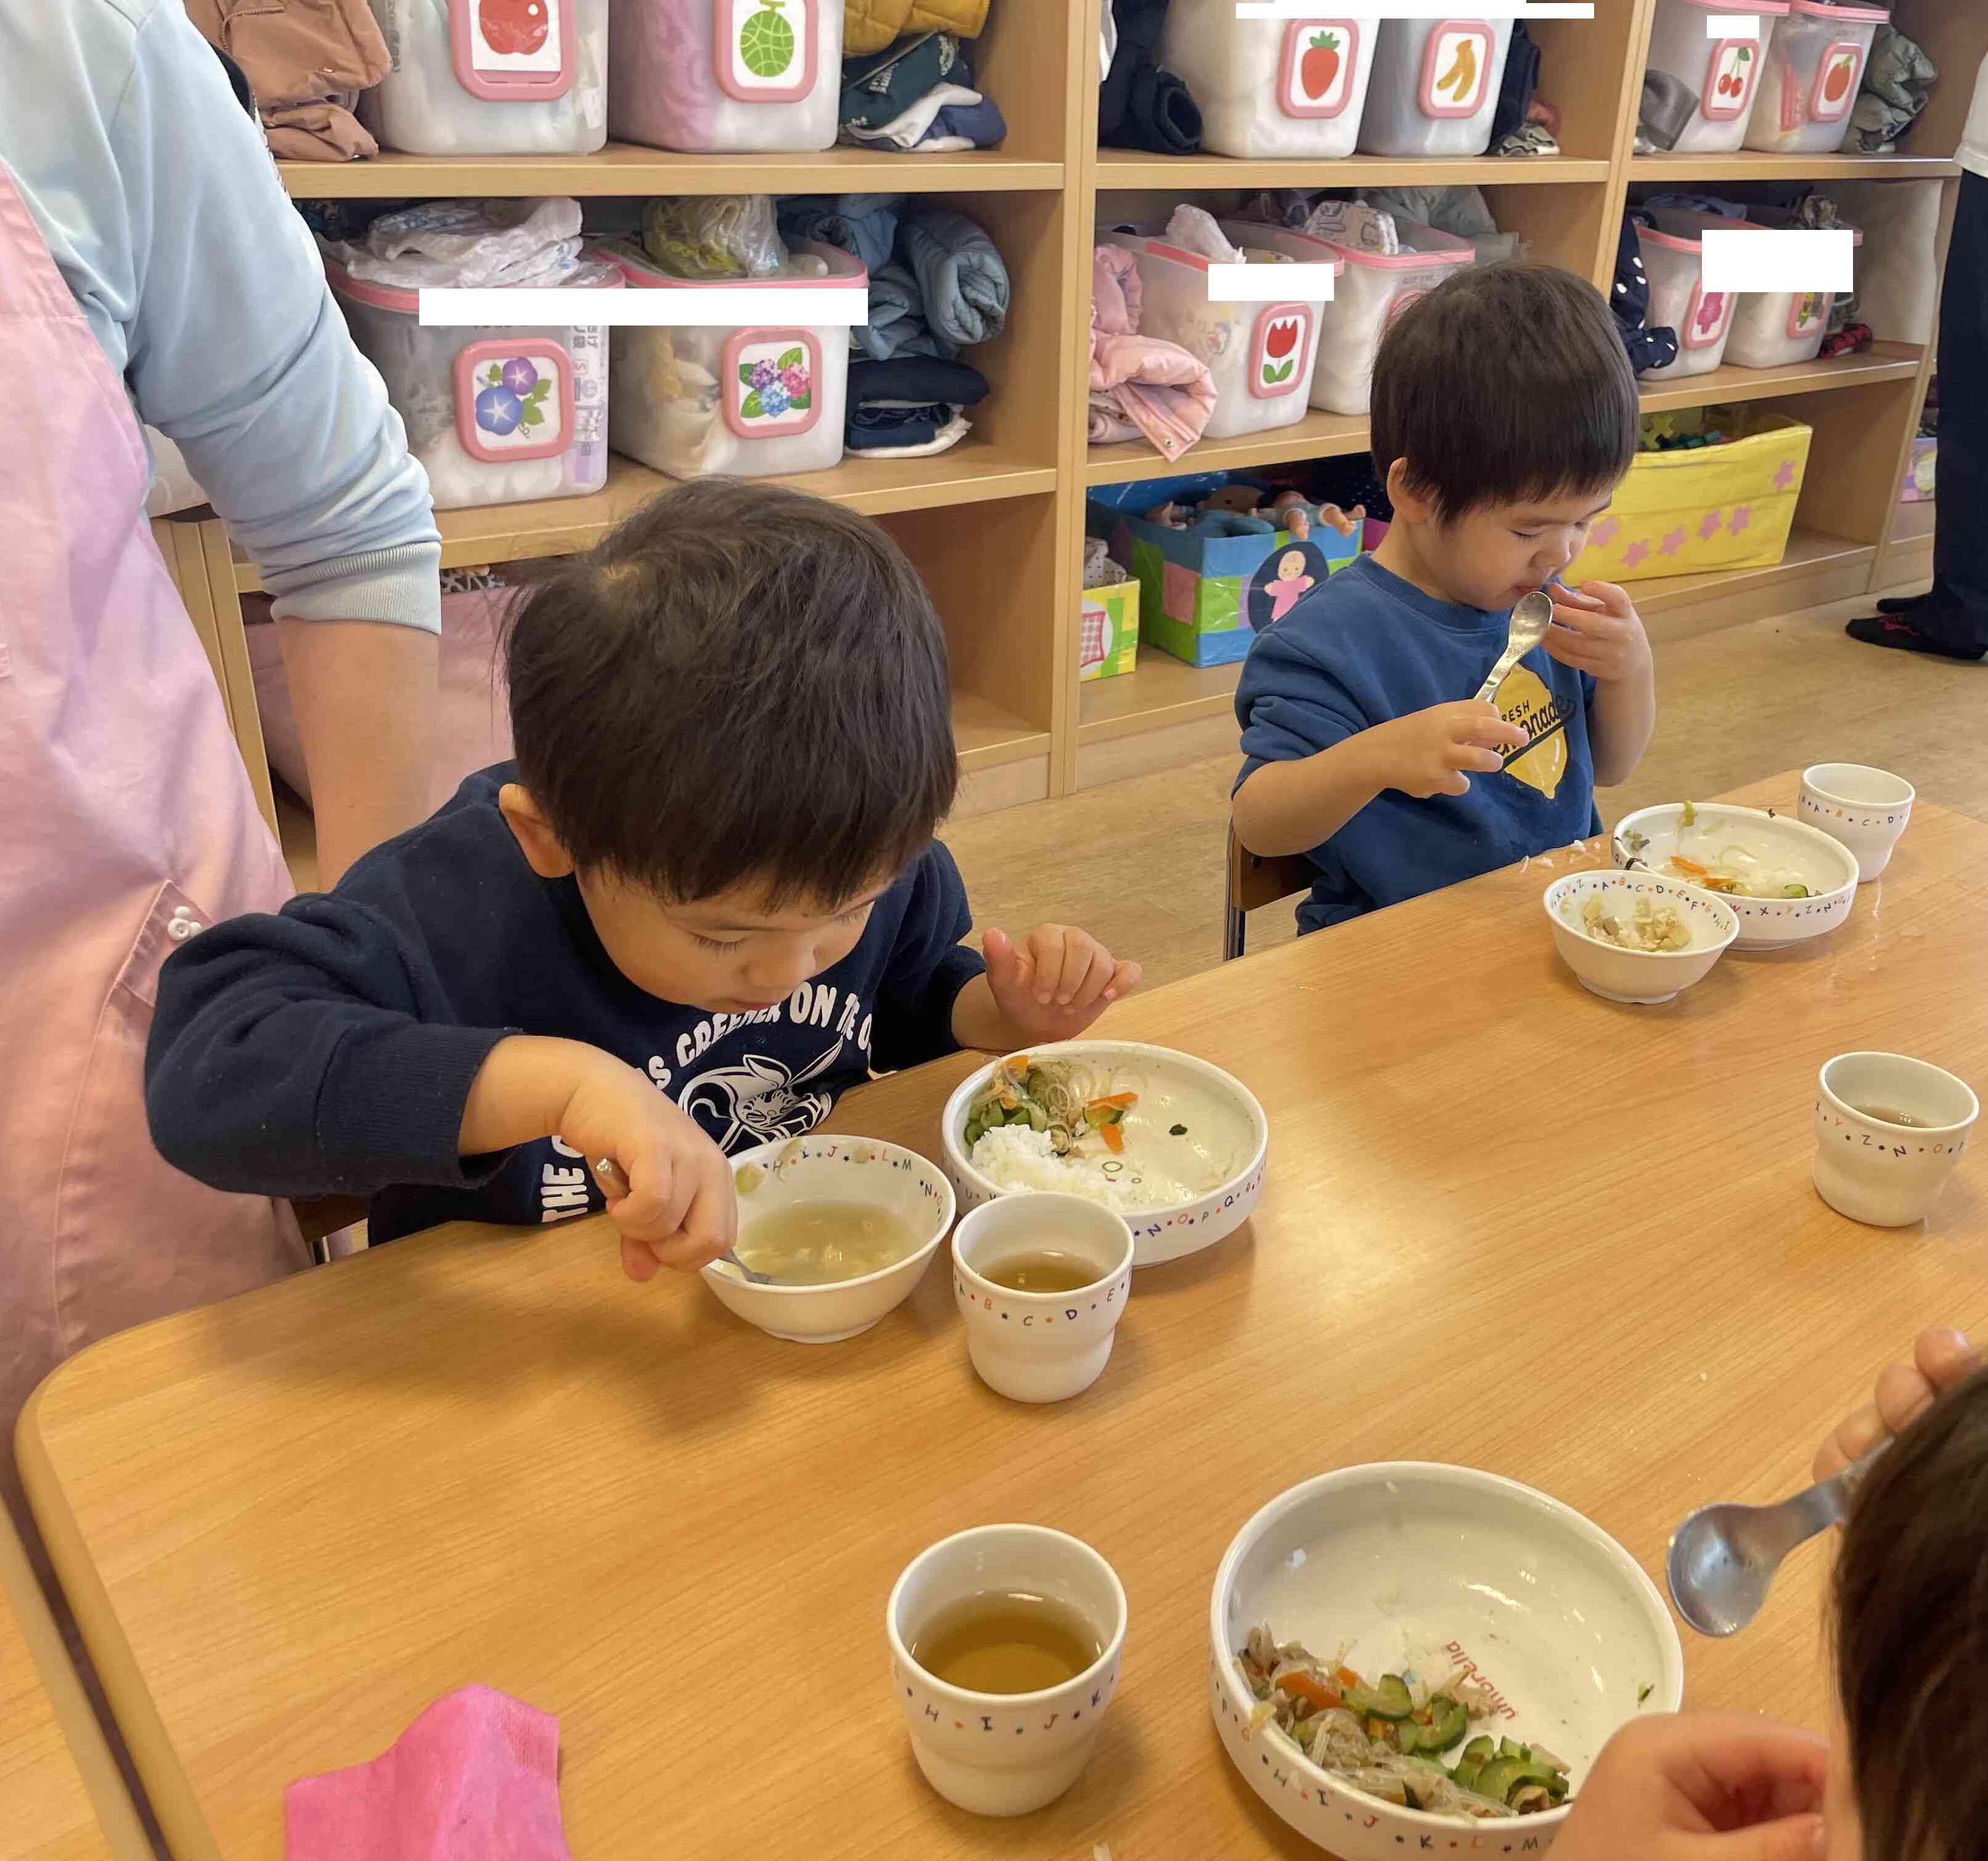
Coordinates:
column 126, row 826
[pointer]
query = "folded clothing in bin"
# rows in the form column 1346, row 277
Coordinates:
column 1140, row 386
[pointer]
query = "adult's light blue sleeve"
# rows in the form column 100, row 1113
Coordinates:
column 233, row 345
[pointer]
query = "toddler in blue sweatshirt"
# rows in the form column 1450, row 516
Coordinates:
column 704, row 901
column 1504, row 415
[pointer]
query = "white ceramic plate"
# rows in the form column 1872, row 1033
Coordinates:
column 1412, row 1565
column 1620, row 974
column 1827, row 868
column 1174, row 1088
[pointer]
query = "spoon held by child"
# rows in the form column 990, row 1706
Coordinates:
column 1530, row 618
column 614, row 1179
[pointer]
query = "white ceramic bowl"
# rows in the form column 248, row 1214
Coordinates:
column 1826, row 866
column 1417, row 1566
column 1867, row 809
column 1617, row 975
column 1170, row 1079
column 820, row 1169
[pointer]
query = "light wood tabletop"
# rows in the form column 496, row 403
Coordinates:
column 60, row 1797
column 1506, row 1225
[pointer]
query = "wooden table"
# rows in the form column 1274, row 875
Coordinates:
column 60, row 1798
column 1507, row 1224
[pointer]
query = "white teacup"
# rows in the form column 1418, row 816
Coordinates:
column 1873, row 1168
column 1866, row 809
column 1004, row 1754
column 1041, row 1346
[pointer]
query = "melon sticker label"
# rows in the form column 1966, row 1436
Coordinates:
column 766, row 48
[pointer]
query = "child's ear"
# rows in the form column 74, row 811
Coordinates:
column 536, row 840
column 1401, row 493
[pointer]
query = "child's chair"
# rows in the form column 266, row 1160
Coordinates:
column 1253, row 883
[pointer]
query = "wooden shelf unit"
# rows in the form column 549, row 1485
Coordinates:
column 996, row 525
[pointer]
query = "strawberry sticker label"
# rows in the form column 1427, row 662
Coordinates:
column 1315, row 76
column 1705, row 317
column 770, row 381
column 766, row 49
column 1280, row 351
column 1807, row 311
column 1729, row 78
column 514, row 399
column 518, row 51
column 1836, row 80
column 1456, row 67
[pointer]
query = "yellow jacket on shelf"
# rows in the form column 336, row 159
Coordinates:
column 1725, row 506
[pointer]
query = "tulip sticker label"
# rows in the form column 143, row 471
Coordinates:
column 1456, row 67
column 1280, row 351
column 1729, row 78
column 765, row 49
column 514, row 399
column 1321, row 61
column 513, row 51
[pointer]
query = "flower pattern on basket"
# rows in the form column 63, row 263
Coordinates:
column 771, row 380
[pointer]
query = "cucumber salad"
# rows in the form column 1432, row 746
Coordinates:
column 1397, row 1739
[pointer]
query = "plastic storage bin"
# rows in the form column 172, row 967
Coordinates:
column 1813, row 66
column 753, row 401
column 1673, row 260
column 1260, row 355
column 1371, row 291
column 1271, row 87
column 1728, row 506
column 719, row 76
column 1722, row 74
column 491, row 77
column 1771, row 327
column 1435, row 86
column 495, row 416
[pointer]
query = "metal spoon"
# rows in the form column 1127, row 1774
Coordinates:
column 612, row 1178
column 1530, row 618
column 1723, row 1558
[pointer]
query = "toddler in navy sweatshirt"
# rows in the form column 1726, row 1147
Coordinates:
column 704, row 901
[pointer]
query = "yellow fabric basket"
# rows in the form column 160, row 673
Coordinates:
column 1727, row 506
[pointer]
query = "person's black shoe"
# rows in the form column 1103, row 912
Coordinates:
column 1903, row 603
column 1883, row 630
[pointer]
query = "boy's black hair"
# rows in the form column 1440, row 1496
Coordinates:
column 738, row 683
column 1505, row 383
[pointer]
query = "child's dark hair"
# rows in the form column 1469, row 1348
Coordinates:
column 1911, row 1636
column 1506, row 383
column 739, row 683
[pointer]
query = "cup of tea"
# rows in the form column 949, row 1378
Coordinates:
column 1888, row 1131
column 1866, row 809
column 1005, row 1646
column 1041, row 1280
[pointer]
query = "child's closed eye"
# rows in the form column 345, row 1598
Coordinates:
column 712, row 943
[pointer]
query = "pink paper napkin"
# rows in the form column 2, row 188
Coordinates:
column 474, row 1778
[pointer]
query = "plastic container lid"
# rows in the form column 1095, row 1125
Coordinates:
column 1860, row 13
column 636, row 268
column 390, row 297
column 1776, row 8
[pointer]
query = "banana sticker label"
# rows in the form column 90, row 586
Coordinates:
column 1523, row 699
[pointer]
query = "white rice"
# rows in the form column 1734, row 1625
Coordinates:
column 1013, row 1156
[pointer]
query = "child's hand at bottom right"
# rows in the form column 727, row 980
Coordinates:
column 1701, row 1786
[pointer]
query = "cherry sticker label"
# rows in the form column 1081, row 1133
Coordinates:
column 1729, row 78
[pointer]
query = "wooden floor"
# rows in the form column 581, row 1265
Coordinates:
column 1139, row 863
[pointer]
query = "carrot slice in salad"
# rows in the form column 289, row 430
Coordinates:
column 1301, row 1686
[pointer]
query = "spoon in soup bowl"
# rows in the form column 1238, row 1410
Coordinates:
column 614, row 1179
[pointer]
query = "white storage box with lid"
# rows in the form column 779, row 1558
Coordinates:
column 1771, row 327
column 491, row 77
column 726, row 76
column 753, row 400
column 1813, row 65
column 495, row 415
column 1435, row 86
column 1674, row 262
column 1722, row 71
column 1260, row 355
column 1271, row 87
column 1372, row 290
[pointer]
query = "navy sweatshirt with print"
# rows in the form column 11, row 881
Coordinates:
column 329, row 1049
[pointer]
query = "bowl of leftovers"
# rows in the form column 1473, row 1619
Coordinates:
column 846, row 1226
column 1632, row 937
column 1174, row 1145
column 1405, row 1655
column 1786, row 881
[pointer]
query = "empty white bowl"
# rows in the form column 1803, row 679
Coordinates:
column 1174, row 1086
column 820, row 1168
column 1867, row 809
column 1648, row 838
column 1619, row 975
column 1414, row 1567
